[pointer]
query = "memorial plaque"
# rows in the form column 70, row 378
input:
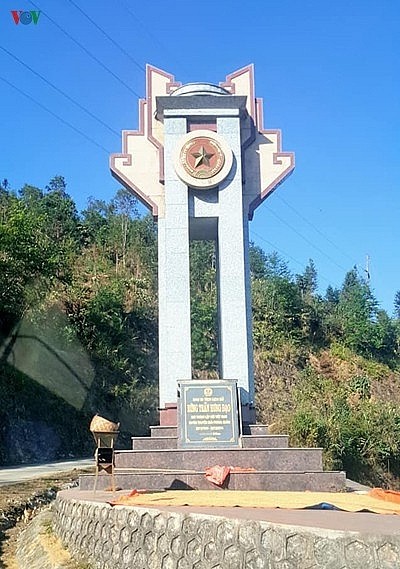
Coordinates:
column 208, row 412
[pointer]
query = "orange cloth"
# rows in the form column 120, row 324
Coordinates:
column 217, row 474
column 387, row 495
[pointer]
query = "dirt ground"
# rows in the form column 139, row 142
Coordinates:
column 20, row 502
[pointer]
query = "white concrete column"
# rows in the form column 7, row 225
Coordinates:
column 173, row 274
column 234, row 304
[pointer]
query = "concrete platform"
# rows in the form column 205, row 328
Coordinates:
column 248, row 441
column 363, row 522
column 278, row 459
column 258, row 480
column 266, row 460
column 160, row 537
column 172, row 431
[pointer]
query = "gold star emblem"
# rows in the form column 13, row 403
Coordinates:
column 202, row 157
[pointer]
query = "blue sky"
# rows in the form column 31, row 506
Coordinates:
column 328, row 74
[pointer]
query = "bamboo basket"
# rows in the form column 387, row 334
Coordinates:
column 101, row 425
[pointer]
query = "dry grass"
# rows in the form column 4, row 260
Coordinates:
column 20, row 502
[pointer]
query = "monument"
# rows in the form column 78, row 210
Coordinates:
column 202, row 162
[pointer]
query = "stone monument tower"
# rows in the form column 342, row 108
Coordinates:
column 202, row 162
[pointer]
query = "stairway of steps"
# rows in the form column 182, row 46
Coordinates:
column 263, row 462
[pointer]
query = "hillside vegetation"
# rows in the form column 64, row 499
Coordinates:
column 78, row 335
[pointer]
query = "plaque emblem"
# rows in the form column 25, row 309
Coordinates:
column 203, row 159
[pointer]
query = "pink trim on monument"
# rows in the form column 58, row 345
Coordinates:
column 146, row 201
column 116, row 173
column 229, row 86
column 192, row 126
column 276, row 160
column 172, row 85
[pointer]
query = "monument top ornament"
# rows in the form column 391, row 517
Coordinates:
column 141, row 166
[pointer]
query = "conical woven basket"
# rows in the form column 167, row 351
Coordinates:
column 101, row 425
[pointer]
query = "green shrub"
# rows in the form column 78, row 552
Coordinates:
column 359, row 435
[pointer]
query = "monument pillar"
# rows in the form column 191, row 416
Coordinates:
column 202, row 162
column 175, row 359
column 233, row 275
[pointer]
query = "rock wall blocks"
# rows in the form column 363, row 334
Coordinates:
column 152, row 539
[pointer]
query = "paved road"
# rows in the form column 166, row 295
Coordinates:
column 16, row 474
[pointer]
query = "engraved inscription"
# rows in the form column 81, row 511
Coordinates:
column 209, row 415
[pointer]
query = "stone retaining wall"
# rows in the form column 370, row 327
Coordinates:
column 37, row 548
column 125, row 538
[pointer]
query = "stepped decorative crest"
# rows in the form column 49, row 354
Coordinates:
column 202, row 162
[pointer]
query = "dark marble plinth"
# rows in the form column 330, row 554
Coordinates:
column 267, row 459
column 248, row 441
column 268, row 481
column 157, row 463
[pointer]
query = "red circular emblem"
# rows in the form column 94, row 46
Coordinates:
column 202, row 157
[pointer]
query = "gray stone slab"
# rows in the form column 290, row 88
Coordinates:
column 265, row 441
column 283, row 459
column 248, row 441
column 188, row 104
column 168, row 431
column 267, row 481
column 163, row 431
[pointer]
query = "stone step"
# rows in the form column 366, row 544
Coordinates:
column 163, row 431
column 248, row 441
column 168, row 431
column 272, row 459
column 154, row 443
column 257, row 429
column 276, row 481
column 265, row 441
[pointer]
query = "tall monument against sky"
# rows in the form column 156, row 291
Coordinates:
column 202, row 162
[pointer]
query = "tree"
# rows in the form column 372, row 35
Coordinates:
column 276, row 311
column 61, row 213
column 4, row 186
column 397, row 304
column 31, row 196
column 332, row 296
column 258, row 261
column 356, row 314
column 385, row 338
column 124, row 210
column 57, row 185
column 307, row 281
column 28, row 258
column 203, row 294
column 276, row 267
column 94, row 222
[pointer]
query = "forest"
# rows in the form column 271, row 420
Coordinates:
column 78, row 335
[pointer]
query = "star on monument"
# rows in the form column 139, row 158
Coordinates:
column 202, row 157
